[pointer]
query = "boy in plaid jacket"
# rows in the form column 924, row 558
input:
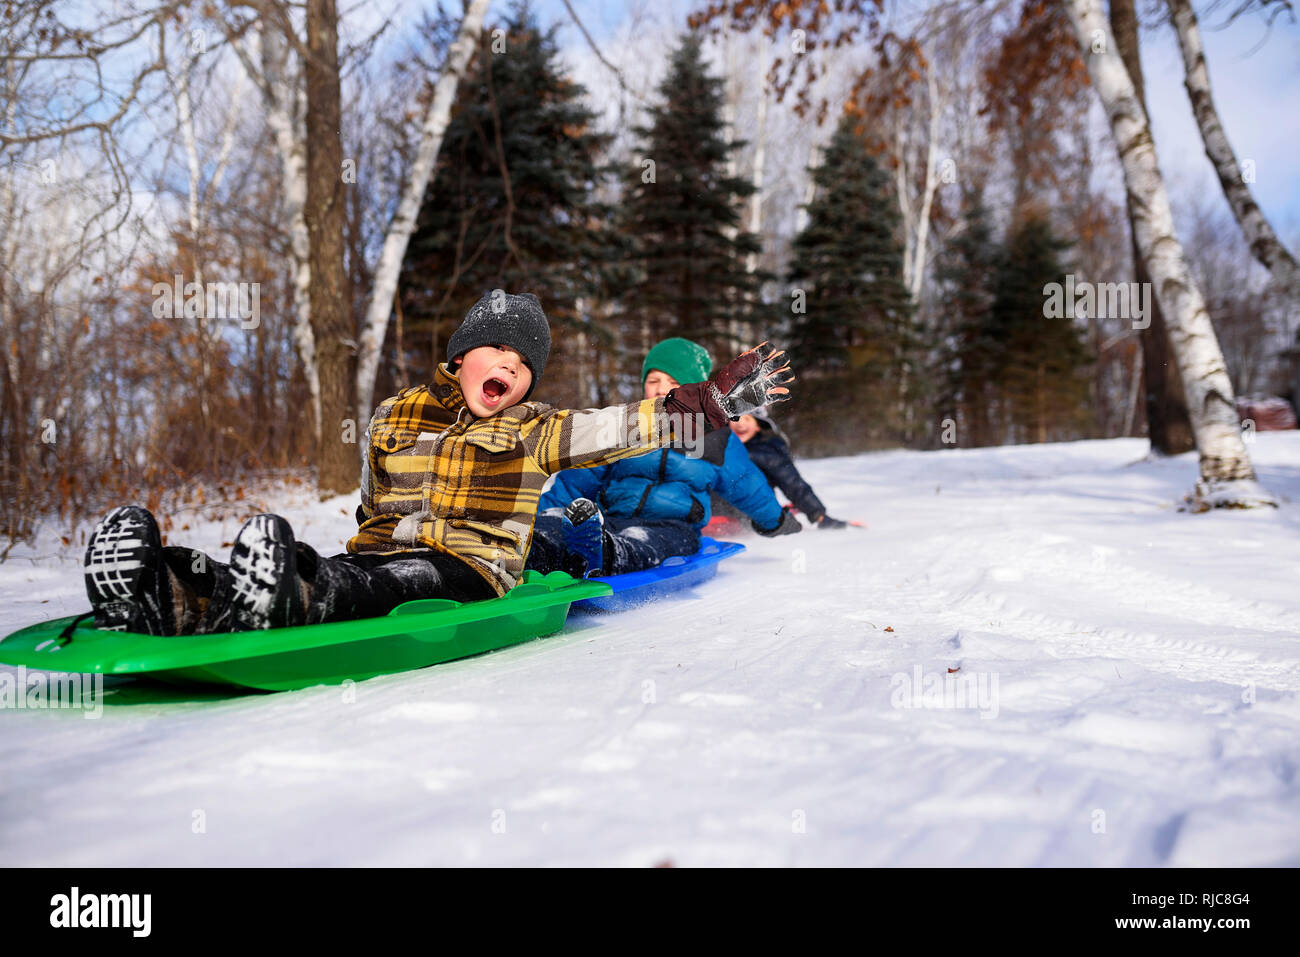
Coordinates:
column 449, row 492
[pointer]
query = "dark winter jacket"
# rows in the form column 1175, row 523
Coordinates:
column 770, row 453
column 666, row 484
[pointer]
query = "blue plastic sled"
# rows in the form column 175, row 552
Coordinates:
column 676, row 573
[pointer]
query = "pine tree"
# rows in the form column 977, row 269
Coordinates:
column 853, row 335
column 681, row 212
column 971, row 351
column 1039, row 359
column 511, row 204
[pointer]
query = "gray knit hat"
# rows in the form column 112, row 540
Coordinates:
column 501, row 318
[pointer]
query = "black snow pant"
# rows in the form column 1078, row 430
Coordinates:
column 631, row 545
column 343, row 587
column 351, row 586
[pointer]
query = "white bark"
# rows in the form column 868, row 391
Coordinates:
column 915, row 211
column 760, row 157
column 730, row 107
column 403, row 224
column 810, row 185
column 902, row 186
column 1260, row 236
column 285, row 106
column 285, row 101
column 185, row 119
column 8, row 205
column 931, row 184
column 1227, row 477
column 233, row 110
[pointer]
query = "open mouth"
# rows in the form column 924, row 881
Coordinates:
column 494, row 389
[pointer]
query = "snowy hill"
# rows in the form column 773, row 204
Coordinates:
column 1126, row 692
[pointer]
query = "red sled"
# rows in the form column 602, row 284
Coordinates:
column 723, row 526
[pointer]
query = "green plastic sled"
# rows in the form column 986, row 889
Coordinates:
column 413, row 635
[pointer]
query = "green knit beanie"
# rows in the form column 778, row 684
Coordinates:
column 682, row 359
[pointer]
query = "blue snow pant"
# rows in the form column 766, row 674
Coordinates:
column 631, row 545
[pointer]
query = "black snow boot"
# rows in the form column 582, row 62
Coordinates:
column 126, row 576
column 262, row 589
column 195, row 580
column 328, row 587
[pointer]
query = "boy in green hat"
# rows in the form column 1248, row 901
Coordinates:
column 634, row 513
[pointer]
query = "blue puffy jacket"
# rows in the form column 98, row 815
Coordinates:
column 667, row 484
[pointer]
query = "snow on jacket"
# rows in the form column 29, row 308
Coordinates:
column 668, row 484
column 772, row 456
column 436, row 477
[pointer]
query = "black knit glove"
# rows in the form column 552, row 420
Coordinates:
column 789, row 525
column 754, row 378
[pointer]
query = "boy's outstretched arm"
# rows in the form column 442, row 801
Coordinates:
column 574, row 438
column 577, row 438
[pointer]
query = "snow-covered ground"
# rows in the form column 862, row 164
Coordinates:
column 1129, row 695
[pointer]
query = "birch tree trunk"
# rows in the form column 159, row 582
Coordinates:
column 285, row 109
column 1259, row 233
column 760, row 163
column 902, row 181
column 810, row 185
column 1169, row 430
column 732, row 90
column 185, row 119
column 916, row 212
column 760, row 157
column 16, row 454
column 1227, row 477
column 403, row 224
column 285, row 102
column 330, row 313
column 931, row 183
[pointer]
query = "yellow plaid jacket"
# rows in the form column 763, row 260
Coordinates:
column 437, row 477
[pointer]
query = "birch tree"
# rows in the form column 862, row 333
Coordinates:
column 1259, row 232
column 889, row 96
column 1227, row 478
column 284, row 99
column 1168, row 427
column 389, row 265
